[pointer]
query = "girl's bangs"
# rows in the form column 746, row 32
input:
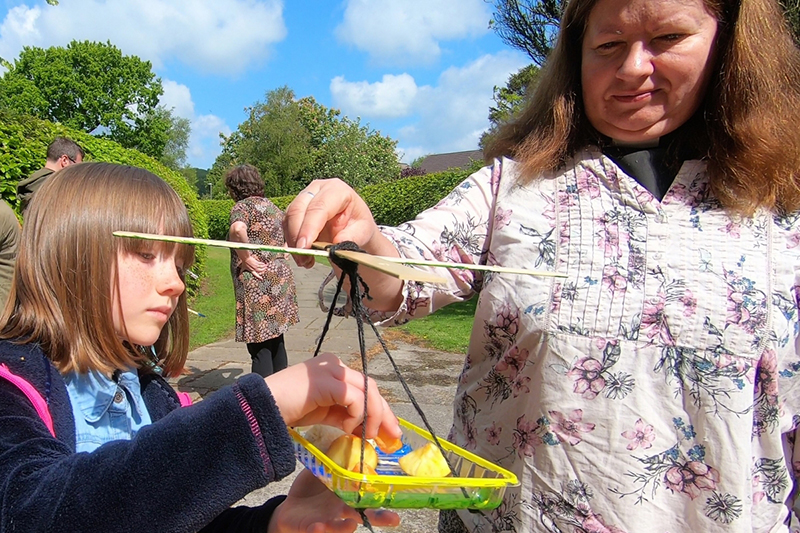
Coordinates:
column 164, row 215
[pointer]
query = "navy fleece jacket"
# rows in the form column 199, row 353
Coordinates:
column 180, row 474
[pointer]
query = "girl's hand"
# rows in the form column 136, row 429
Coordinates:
column 311, row 508
column 322, row 390
column 331, row 211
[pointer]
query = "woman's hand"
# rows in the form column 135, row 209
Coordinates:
column 331, row 211
column 254, row 266
column 311, row 508
column 322, row 390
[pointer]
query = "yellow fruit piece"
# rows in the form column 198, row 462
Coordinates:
column 427, row 461
column 345, row 451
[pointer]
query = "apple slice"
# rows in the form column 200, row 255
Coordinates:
column 345, row 451
column 426, row 461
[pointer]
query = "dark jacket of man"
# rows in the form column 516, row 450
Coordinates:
column 28, row 186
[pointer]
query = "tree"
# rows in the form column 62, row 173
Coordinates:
column 174, row 153
column 90, row 87
column 346, row 149
column 275, row 141
column 509, row 99
column 292, row 142
column 530, row 26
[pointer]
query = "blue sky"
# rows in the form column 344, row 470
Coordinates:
column 419, row 71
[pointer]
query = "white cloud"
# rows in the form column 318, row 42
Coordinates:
column 220, row 37
column 390, row 98
column 204, row 138
column 178, row 98
column 447, row 117
column 409, row 31
column 204, row 142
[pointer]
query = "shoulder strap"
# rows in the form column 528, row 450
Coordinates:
column 32, row 394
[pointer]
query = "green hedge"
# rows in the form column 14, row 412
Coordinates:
column 23, row 149
column 219, row 216
column 400, row 201
column 391, row 203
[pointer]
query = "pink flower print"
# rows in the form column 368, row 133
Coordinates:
column 588, row 183
column 502, row 217
column 508, row 319
column 644, row 197
column 691, row 478
column 526, row 437
column 493, row 434
column 689, row 303
column 732, row 229
column 737, row 312
column 555, row 305
column 741, row 365
column 594, row 523
column 767, row 375
column 613, row 279
column 654, row 321
column 758, row 495
column 589, row 381
column 497, row 169
column 520, row 385
column 568, row 429
column 514, row 359
column 642, row 435
column 608, row 238
column 792, row 240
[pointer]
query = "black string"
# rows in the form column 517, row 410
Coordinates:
column 350, row 271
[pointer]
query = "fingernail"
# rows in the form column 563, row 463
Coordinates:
column 301, row 242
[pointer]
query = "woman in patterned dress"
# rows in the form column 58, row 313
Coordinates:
column 655, row 388
column 266, row 299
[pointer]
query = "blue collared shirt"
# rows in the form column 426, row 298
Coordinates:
column 105, row 410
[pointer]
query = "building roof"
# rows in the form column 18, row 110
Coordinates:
column 439, row 162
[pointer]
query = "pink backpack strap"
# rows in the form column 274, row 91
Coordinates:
column 32, row 394
column 185, row 398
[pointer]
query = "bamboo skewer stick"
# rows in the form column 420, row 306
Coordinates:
column 393, row 266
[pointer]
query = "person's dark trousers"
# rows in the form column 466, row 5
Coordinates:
column 268, row 356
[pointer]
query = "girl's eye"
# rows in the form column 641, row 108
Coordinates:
column 147, row 256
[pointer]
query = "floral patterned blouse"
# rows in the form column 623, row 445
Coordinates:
column 265, row 308
column 656, row 388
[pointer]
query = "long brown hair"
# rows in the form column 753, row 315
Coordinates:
column 61, row 295
column 746, row 128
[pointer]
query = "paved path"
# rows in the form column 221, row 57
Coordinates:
column 431, row 375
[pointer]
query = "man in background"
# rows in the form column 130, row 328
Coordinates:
column 61, row 153
column 9, row 240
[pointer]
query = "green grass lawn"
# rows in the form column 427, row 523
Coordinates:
column 215, row 300
column 447, row 330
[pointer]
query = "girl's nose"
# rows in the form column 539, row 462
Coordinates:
column 170, row 282
column 636, row 62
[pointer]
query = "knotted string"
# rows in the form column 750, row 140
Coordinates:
column 350, row 271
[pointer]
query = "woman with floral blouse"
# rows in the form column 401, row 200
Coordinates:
column 656, row 388
column 266, row 299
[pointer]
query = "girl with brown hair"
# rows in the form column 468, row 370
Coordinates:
column 93, row 438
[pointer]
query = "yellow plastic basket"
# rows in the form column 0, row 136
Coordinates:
column 480, row 484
